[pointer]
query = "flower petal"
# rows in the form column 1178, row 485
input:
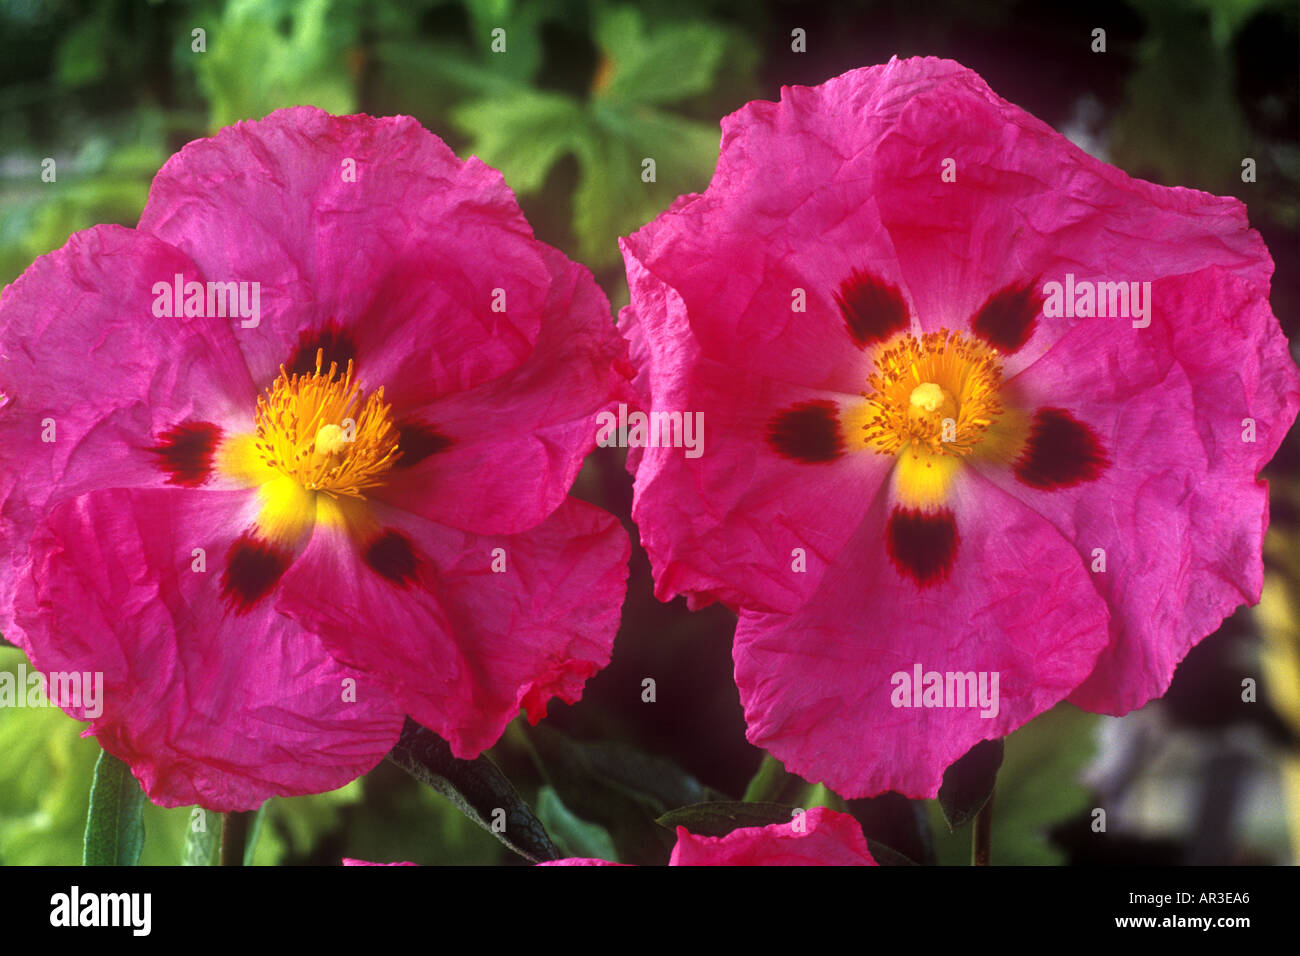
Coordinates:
column 463, row 646
column 818, row 686
column 208, row 706
column 508, row 451
column 378, row 255
column 1023, row 205
column 92, row 383
column 733, row 522
column 817, row 837
column 1179, row 515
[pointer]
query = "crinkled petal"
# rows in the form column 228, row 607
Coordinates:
column 349, row 861
column 89, row 378
column 816, row 837
column 819, row 687
column 1024, row 205
column 725, row 523
column 461, row 646
column 382, row 255
column 1180, row 515
column 208, row 706
column 514, row 445
column 579, row 861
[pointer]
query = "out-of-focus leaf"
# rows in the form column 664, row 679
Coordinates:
column 968, row 783
column 523, row 134
column 477, row 788
column 575, row 836
column 115, row 823
column 613, row 199
column 775, row 785
column 103, row 183
column 770, row 781
column 668, row 62
column 619, row 788
column 441, row 68
column 719, row 818
column 256, row 827
column 887, row 855
column 82, row 56
column 401, row 819
column 1037, row 787
column 46, row 770
column 898, row 824
column 522, row 23
column 251, row 69
column 203, row 838
column 1183, row 86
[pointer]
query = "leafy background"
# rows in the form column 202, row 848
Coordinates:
column 584, row 92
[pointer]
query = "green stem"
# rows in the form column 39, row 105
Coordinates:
column 982, row 834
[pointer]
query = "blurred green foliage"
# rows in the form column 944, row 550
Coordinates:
column 431, row 58
column 1038, row 785
column 46, row 769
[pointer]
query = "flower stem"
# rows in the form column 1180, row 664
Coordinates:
column 234, row 837
column 982, row 834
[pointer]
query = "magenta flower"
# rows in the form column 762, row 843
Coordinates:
column 816, row 837
column 983, row 420
column 290, row 461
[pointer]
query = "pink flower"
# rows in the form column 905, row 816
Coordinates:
column 944, row 446
column 817, row 837
column 349, row 861
column 278, row 522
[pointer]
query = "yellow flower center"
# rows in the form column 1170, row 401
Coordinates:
column 938, row 395
column 317, row 430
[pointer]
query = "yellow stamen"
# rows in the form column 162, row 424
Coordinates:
column 937, row 395
column 316, row 430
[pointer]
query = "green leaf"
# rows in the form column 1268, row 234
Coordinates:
column 401, row 819
column 251, row 69
column 888, row 856
column 575, row 836
column 612, row 199
column 477, row 788
column 968, row 783
column 774, row 784
column 718, row 818
column 618, row 787
column 522, row 23
column 523, row 133
column 671, row 62
column 254, row 833
column 897, row 824
column 203, row 838
column 1037, row 788
column 115, row 824
column 770, row 781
